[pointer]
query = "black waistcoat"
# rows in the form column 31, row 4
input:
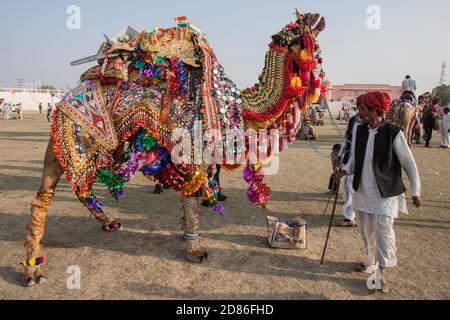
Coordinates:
column 386, row 166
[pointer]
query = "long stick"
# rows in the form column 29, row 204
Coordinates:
column 336, row 170
column 328, row 203
column 331, row 220
column 331, row 194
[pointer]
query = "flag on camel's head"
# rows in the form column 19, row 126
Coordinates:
column 182, row 22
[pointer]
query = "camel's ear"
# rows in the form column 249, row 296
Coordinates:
column 299, row 15
column 319, row 27
column 313, row 20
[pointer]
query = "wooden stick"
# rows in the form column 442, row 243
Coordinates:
column 331, row 221
column 328, row 203
column 339, row 168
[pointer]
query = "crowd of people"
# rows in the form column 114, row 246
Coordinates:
column 8, row 109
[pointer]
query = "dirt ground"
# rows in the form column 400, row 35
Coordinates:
column 145, row 260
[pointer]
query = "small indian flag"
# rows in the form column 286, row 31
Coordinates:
column 182, row 22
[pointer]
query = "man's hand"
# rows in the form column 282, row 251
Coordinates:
column 417, row 202
column 341, row 174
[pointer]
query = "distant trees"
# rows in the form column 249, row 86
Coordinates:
column 443, row 92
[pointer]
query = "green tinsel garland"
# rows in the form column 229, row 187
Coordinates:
column 110, row 180
column 126, row 154
column 149, row 143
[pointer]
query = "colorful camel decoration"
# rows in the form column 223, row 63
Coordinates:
column 123, row 117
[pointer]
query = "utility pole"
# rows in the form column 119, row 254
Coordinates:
column 443, row 74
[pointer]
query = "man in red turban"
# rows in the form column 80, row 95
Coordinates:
column 380, row 153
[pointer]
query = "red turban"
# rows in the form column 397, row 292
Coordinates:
column 360, row 100
column 379, row 101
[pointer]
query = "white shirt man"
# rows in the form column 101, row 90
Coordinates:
column 409, row 84
column 7, row 111
column 445, row 127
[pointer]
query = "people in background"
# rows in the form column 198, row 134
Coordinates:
column 49, row 112
column 347, row 150
column 445, row 128
column 429, row 121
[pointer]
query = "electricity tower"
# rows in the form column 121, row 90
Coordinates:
column 443, row 74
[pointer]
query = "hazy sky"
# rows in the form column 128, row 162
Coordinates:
column 413, row 39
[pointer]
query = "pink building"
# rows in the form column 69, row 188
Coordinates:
column 349, row 92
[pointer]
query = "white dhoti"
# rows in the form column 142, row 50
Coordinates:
column 348, row 211
column 377, row 233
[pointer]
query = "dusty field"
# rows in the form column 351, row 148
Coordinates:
column 145, row 261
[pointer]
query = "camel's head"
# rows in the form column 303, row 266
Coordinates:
column 292, row 36
column 292, row 75
column 303, row 69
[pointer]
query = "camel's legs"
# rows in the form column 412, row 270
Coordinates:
column 409, row 135
column 194, row 251
column 39, row 206
column 108, row 224
column 35, row 229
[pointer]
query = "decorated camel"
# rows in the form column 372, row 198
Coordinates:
column 123, row 117
column 405, row 114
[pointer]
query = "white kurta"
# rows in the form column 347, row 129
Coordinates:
column 445, row 126
column 368, row 197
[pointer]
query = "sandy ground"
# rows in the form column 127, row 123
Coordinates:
column 145, row 261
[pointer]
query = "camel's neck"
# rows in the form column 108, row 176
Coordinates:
column 261, row 103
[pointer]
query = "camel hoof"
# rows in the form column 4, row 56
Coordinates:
column 221, row 197
column 29, row 282
column 158, row 189
column 39, row 277
column 197, row 258
column 112, row 227
column 40, row 280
